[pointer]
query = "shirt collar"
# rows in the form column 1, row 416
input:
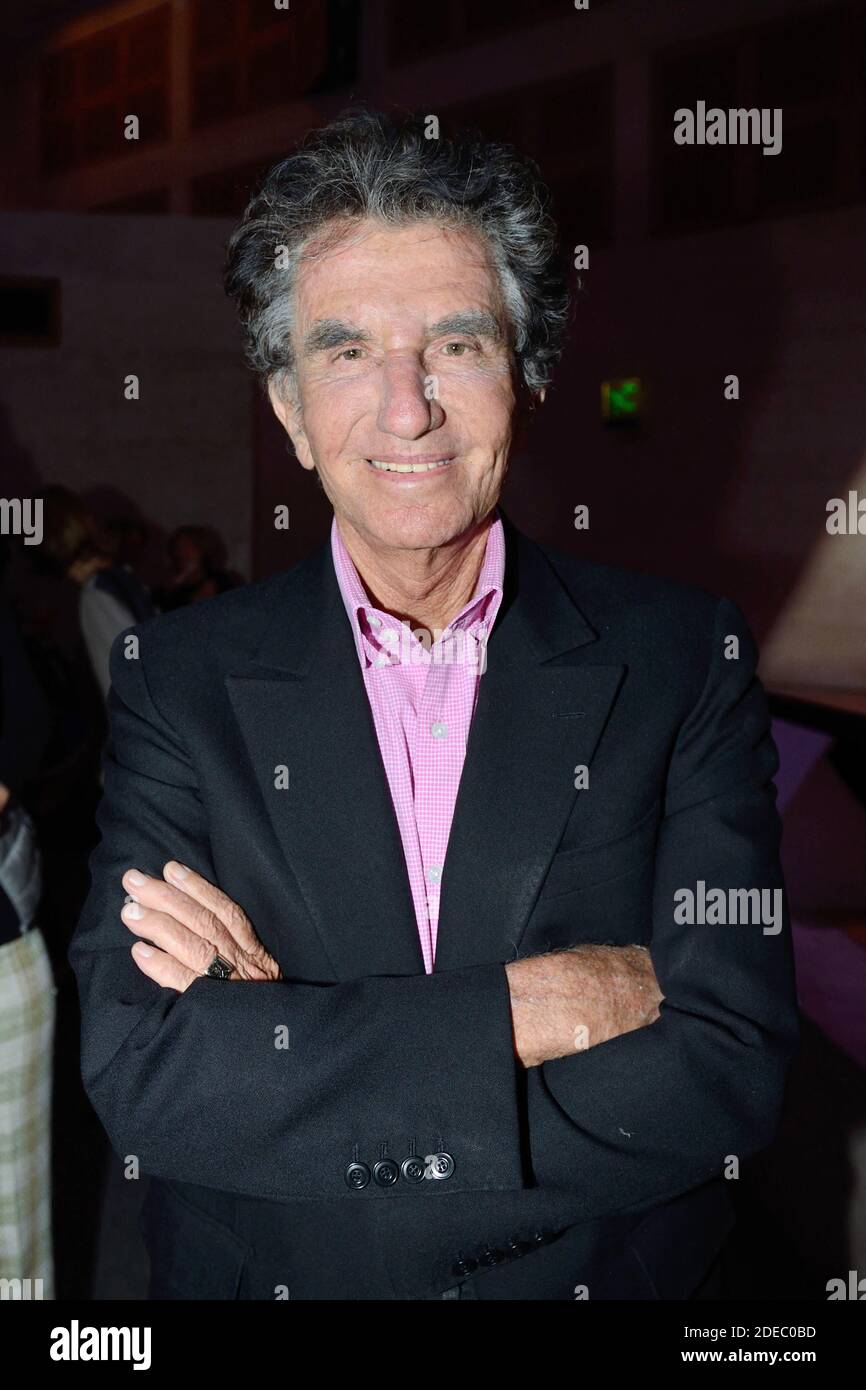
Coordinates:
column 476, row 617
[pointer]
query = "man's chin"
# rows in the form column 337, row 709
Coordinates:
column 416, row 528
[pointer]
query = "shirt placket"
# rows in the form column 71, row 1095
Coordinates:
column 442, row 737
column 430, row 781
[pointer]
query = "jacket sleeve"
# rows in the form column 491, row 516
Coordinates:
column 659, row 1110
column 260, row 1088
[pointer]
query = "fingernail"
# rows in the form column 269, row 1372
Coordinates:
column 135, row 878
column 141, row 950
column 132, row 911
column 175, row 870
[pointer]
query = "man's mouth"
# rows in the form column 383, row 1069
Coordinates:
column 409, row 466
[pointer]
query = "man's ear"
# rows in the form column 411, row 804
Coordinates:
column 288, row 412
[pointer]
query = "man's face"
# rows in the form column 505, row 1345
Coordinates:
column 403, row 358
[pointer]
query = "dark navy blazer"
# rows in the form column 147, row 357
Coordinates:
column 600, row 1170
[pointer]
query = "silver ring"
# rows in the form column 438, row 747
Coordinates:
column 219, row 969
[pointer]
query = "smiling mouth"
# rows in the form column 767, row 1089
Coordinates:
column 422, row 466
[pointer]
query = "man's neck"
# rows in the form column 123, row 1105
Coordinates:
column 426, row 588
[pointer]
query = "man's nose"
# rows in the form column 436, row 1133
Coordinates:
column 409, row 402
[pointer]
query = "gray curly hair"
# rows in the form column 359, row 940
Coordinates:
column 367, row 165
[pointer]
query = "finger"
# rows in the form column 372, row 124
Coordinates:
column 214, row 900
column 192, row 951
column 162, row 968
column 158, row 896
column 192, row 947
column 196, row 907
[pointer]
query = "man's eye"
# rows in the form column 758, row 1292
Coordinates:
column 346, row 353
column 460, row 349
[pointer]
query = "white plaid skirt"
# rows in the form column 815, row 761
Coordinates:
column 27, row 1010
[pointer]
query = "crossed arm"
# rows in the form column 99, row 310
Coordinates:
column 610, row 989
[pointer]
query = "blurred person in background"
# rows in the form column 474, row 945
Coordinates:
column 197, row 556
column 27, row 990
column 125, row 540
column 111, row 597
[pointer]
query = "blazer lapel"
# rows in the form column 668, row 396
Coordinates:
column 301, row 703
column 540, row 713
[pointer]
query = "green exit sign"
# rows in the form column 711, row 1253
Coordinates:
column 622, row 400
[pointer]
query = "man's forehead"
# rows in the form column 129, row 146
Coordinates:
column 384, row 263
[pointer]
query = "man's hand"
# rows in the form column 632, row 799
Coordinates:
column 190, row 920
column 567, row 1001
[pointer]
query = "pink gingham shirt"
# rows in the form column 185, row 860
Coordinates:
column 423, row 695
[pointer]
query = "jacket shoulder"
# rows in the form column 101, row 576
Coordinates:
column 611, row 595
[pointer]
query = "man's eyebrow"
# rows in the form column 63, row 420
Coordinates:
column 327, row 334
column 332, row 333
column 470, row 321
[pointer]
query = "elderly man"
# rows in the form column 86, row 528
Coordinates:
column 405, row 830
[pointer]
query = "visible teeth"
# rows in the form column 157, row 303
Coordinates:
column 407, row 467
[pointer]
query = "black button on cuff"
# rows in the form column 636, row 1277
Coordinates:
column 412, row 1169
column 385, row 1172
column 357, row 1176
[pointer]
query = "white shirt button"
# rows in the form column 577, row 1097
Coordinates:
column 374, row 621
column 383, row 660
column 434, row 873
column 439, row 730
